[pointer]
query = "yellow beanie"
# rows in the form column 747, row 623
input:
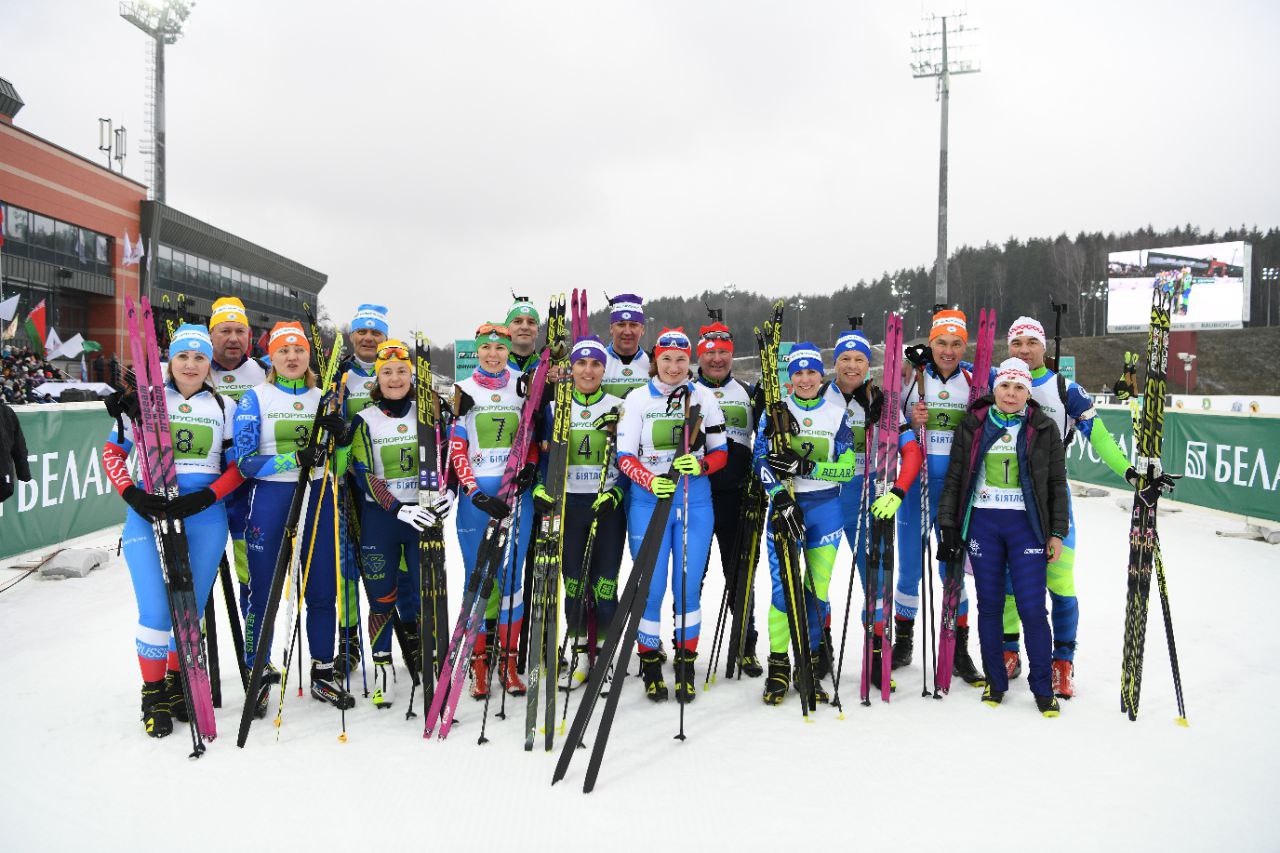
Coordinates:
column 228, row 309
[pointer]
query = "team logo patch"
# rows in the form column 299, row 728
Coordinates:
column 944, row 395
column 228, row 378
column 368, row 386
column 626, row 315
column 585, row 414
column 476, row 459
column 497, row 398
column 297, row 407
column 626, row 371
column 1006, row 437
column 185, row 408
column 719, row 395
column 402, row 428
column 808, row 422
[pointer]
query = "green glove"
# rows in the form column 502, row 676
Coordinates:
column 607, row 502
column 886, row 506
column 687, row 464
column 662, row 487
column 542, row 500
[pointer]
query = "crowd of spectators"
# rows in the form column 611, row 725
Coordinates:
column 21, row 373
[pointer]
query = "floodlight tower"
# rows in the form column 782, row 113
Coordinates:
column 163, row 24
column 932, row 56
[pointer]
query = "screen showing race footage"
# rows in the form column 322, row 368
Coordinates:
column 1216, row 295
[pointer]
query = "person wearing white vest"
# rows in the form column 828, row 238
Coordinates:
column 273, row 441
column 384, row 460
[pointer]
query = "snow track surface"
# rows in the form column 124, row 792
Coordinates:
column 77, row 772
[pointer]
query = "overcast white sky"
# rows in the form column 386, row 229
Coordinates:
column 432, row 155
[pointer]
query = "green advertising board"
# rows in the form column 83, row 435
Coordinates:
column 1067, row 367
column 1228, row 462
column 464, row 358
column 69, row 494
column 784, row 350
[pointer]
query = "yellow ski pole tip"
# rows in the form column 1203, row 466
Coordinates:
column 1182, row 721
column 840, row 716
column 342, row 738
column 277, row 721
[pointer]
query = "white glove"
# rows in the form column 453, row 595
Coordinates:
column 439, row 508
column 417, row 517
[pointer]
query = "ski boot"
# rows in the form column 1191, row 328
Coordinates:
column 270, row 678
column 155, row 709
column 1012, row 664
column 877, row 667
column 779, row 680
column 822, row 655
column 325, row 687
column 571, row 678
column 412, row 647
column 348, row 658
column 750, row 662
column 820, row 695
column 176, row 702
column 1048, row 706
column 651, row 671
column 991, row 696
column 904, row 631
column 509, row 675
column 963, row 664
column 1064, row 679
column 384, row 680
column 480, row 669
column 686, row 690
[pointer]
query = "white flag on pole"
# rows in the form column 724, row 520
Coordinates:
column 71, row 348
column 8, row 308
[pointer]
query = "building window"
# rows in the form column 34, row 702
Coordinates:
column 15, row 223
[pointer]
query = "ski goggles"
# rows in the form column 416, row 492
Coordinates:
column 492, row 333
column 718, row 341
column 672, row 339
column 393, row 351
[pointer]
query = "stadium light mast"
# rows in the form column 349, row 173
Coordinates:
column 933, row 56
column 163, row 24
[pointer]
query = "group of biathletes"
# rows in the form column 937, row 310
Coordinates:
column 996, row 478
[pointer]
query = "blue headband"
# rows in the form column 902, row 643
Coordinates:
column 190, row 337
column 853, row 342
column 804, row 356
column 371, row 317
column 589, row 347
column 626, row 306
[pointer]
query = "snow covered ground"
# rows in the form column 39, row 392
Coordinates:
column 77, row 773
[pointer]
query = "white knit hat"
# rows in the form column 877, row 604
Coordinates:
column 1014, row 370
column 1027, row 327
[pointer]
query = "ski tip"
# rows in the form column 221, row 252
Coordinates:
column 1182, row 721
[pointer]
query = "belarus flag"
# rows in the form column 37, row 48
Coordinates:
column 36, row 328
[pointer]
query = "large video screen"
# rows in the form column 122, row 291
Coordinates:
column 1217, row 299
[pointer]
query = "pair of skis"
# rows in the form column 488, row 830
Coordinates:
column 433, row 611
column 953, row 578
column 159, row 477
column 1144, row 540
column 545, row 600
column 490, row 557
column 788, row 547
column 880, row 537
column 621, row 643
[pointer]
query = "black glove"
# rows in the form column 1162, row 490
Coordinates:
column 188, row 505
column 333, row 424
column 144, row 503
column 952, row 549
column 495, row 508
column 525, row 478
column 1161, row 484
column 787, row 464
column 123, row 404
column 871, row 398
column 309, row 456
column 786, row 515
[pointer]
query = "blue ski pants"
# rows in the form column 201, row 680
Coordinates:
column 682, row 569
column 1065, row 608
column 602, row 574
column 509, row 609
column 822, row 524
column 1000, row 541
column 906, row 595
column 386, row 542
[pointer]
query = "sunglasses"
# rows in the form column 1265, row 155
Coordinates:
column 491, row 329
column 677, row 340
column 717, row 336
column 392, row 352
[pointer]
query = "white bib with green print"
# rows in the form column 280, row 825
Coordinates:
column 998, row 486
